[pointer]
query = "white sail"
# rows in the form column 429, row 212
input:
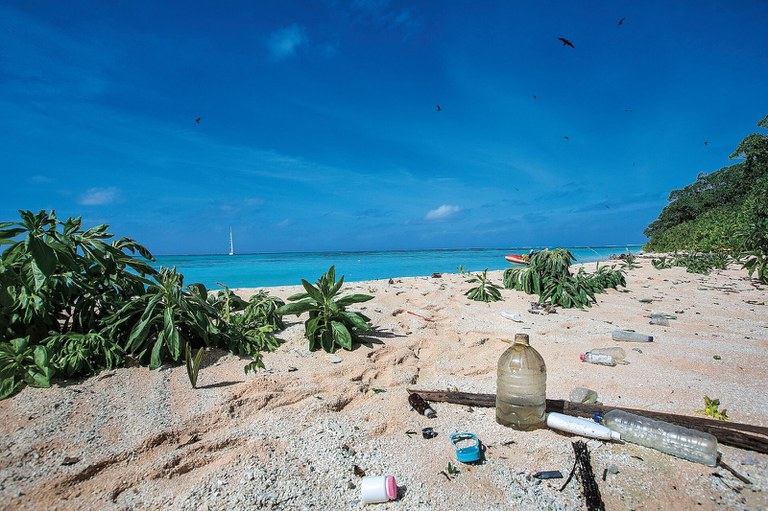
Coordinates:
column 231, row 242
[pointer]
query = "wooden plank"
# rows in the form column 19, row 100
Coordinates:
column 744, row 436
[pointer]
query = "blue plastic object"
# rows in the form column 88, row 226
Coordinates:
column 468, row 454
column 598, row 417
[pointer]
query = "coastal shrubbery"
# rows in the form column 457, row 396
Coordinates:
column 330, row 325
column 485, row 291
column 548, row 275
column 725, row 211
column 73, row 303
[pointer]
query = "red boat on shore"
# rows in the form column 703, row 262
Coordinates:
column 518, row 258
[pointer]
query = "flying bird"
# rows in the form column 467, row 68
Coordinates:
column 706, row 142
column 534, row 96
column 566, row 137
column 438, row 108
column 197, row 120
column 566, row 42
column 621, row 21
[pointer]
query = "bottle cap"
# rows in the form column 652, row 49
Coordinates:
column 391, row 488
column 582, row 357
column 521, row 338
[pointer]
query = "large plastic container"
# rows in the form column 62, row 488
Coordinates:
column 521, row 386
column 686, row 443
column 377, row 489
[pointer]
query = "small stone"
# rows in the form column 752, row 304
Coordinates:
column 70, row 460
column 333, row 358
column 351, row 485
column 613, row 469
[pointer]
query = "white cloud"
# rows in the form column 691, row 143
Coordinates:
column 284, row 42
column 444, row 211
column 98, row 196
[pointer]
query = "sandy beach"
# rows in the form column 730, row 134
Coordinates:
column 290, row 436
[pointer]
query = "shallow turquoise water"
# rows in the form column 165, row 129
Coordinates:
column 262, row 270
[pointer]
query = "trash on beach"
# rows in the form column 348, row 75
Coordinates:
column 549, row 474
column 421, row 406
column 378, row 489
column 656, row 314
column 597, row 359
column 657, row 320
column 471, row 450
column 686, row 443
column 542, row 308
column 70, row 460
column 582, row 395
column 589, row 487
column 437, row 275
column 618, row 354
column 420, row 316
column 428, row 433
column 514, row 317
column 580, row 426
column 630, row 336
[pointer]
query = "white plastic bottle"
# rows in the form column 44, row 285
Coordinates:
column 376, row 489
column 592, row 358
column 580, row 426
column 624, row 335
column 686, row 443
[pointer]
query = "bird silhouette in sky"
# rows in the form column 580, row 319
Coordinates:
column 534, row 96
column 197, row 120
column 706, row 142
column 627, row 109
column 438, row 108
column 621, row 21
column 566, row 42
column 566, row 138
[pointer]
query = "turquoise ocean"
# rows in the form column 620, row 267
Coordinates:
column 287, row 269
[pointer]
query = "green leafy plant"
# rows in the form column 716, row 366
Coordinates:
column 21, row 363
column 193, row 365
column 711, row 409
column 461, row 269
column 486, row 291
column 548, row 275
column 452, row 469
column 75, row 301
column 329, row 326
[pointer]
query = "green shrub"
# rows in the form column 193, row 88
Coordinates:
column 330, row 325
column 486, row 291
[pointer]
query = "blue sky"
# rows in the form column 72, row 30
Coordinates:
column 319, row 128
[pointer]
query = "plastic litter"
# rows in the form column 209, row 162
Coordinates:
column 471, row 452
column 378, row 489
column 603, row 360
column 690, row 444
column 428, row 433
column 579, row 426
column 625, row 335
column 618, row 354
column 514, row 317
column 582, row 395
column 549, row 474
column 521, row 385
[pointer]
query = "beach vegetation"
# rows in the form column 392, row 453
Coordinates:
column 76, row 301
column 694, row 262
column 193, row 364
column 330, row 325
column 548, row 275
column 485, row 291
column 724, row 211
column 712, row 409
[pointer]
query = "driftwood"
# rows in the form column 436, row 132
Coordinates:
column 589, row 487
column 743, row 436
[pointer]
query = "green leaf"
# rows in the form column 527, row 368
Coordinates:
column 341, row 335
column 350, row 299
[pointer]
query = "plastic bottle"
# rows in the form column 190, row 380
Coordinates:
column 618, row 354
column 603, row 360
column 421, row 406
column 624, row 335
column 521, row 386
column 686, row 443
column 378, row 489
column 579, row 426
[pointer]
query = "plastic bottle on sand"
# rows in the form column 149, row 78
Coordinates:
column 376, row 489
column 625, row 335
column 580, row 426
column 521, row 386
column 686, row 443
column 592, row 358
column 421, row 406
column 616, row 352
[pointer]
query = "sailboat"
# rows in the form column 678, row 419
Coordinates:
column 231, row 242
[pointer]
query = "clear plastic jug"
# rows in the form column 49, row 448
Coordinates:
column 521, row 386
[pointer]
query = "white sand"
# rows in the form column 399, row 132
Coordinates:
column 289, row 437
